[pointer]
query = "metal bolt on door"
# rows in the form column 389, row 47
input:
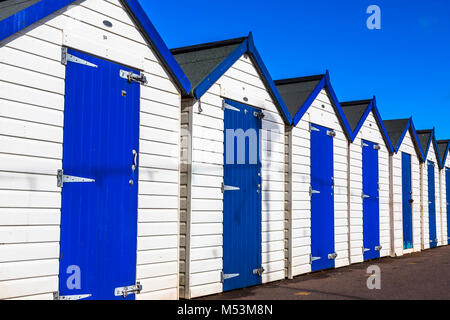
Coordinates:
column 99, row 212
column 371, row 204
column 322, row 199
column 241, row 197
column 432, row 205
column 407, row 201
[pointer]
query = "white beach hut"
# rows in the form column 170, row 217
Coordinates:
column 89, row 152
column 316, row 176
column 405, row 187
column 232, row 185
column 369, row 152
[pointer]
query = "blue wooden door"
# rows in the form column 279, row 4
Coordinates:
column 432, row 205
column 99, row 219
column 447, row 183
column 322, row 198
column 242, row 197
column 407, row 201
column 371, row 205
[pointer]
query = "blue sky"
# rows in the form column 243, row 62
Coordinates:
column 406, row 64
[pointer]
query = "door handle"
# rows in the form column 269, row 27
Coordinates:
column 134, row 166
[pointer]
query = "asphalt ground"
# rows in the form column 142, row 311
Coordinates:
column 419, row 276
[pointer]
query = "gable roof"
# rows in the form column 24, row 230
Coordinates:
column 444, row 149
column 300, row 93
column 426, row 137
column 397, row 130
column 205, row 63
column 21, row 14
column 357, row 112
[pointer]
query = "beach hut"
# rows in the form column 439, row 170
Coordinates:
column 444, row 147
column 316, row 176
column 232, row 185
column 431, row 213
column 405, row 186
column 90, row 101
column 368, row 161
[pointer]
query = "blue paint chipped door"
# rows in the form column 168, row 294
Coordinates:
column 371, row 202
column 447, row 183
column 99, row 219
column 322, row 198
column 432, row 205
column 242, row 197
column 407, row 201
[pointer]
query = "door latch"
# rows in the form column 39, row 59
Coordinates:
column 125, row 291
column 378, row 248
column 130, row 76
column 332, row 256
column 258, row 271
column 259, row 115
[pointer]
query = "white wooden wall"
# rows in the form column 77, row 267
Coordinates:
column 406, row 147
column 425, row 212
column 370, row 132
column 444, row 200
column 298, row 205
column 203, row 203
column 31, row 137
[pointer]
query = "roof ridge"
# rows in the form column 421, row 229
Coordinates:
column 299, row 79
column 208, row 45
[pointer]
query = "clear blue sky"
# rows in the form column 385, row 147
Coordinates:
column 406, row 64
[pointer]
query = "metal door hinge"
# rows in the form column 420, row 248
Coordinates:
column 226, row 106
column 125, row 291
column 56, row 296
column 224, row 276
column 312, row 128
column 258, row 271
column 378, row 248
column 312, row 191
column 364, row 196
column 332, row 256
column 312, row 259
column 365, row 249
column 130, row 76
column 67, row 57
column 364, row 145
column 229, row 188
column 62, row 178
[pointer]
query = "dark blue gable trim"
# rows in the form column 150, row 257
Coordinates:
column 444, row 158
column 325, row 83
column 44, row 8
column 30, row 15
column 158, row 44
column 373, row 107
column 436, row 149
column 415, row 138
column 247, row 46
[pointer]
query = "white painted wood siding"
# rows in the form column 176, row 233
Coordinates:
column 298, row 205
column 397, row 201
column 204, row 201
column 444, row 201
column 424, row 202
column 370, row 132
column 31, row 136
